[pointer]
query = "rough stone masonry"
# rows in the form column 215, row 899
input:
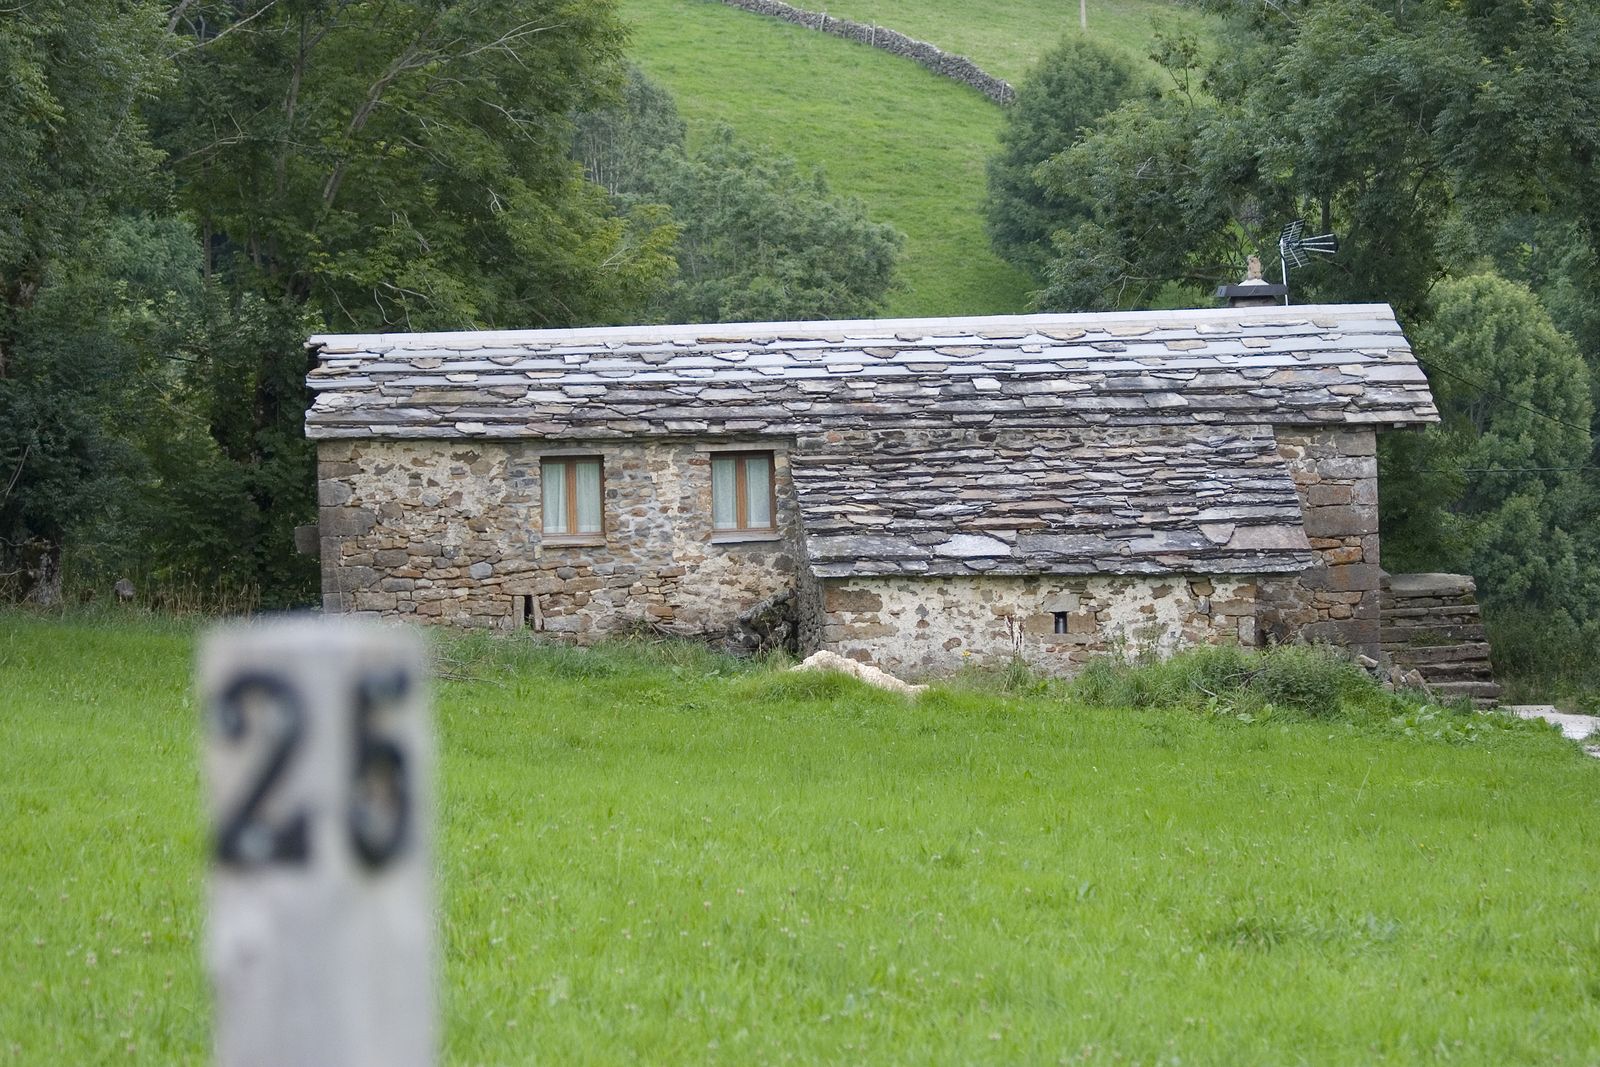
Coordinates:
column 942, row 490
column 452, row 535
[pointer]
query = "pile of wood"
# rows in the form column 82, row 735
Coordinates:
column 1431, row 626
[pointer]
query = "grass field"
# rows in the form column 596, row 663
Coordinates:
column 654, row 854
column 909, row 144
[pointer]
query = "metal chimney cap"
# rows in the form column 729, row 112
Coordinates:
column 1251, row 293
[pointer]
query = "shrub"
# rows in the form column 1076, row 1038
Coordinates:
column 1073, row 85
column 1309, row 680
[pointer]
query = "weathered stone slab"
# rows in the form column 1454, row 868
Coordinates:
column 1340, row 521
column 308, row 540
column 1432, row 585
column 1353, row 577
column 345, row 521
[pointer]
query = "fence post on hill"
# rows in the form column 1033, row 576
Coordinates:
column 320, row 940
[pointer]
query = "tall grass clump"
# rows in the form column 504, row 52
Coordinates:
column 1541, row 659
column 1308, row 680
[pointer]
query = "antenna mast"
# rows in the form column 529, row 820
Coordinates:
column 1293, row 245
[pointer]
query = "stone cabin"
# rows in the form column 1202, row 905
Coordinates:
column 928, row 491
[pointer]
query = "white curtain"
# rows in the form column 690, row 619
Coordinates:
column 724, row 515
column 758, row 491
column 588, row 478
column 554, row 489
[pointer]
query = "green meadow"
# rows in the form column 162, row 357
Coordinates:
column 909, row 144
column 652, row 853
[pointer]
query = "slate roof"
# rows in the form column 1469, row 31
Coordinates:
column 1144, row 500
column 1302, row 365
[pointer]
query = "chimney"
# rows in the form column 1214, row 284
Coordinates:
column 1253, row 292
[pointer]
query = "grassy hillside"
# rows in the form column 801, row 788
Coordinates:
column 653, row 854
column 1005, row 38
column 909, row 144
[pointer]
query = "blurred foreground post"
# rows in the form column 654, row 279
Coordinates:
column 319, row 767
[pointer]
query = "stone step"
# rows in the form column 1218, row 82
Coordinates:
column 1429, row 636
column 1475, row 690
column 1451, row 672
column 1429, row 597
column 1418, row 655
column 1444, row 606
column 1431, row 584
column 1424, row 613
column 1405, row 626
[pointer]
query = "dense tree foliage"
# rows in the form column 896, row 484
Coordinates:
column 1504, row 488
column 404, row 164
column 1066, row 91
column 756, row 238
column 72, row 334
column 379, row 165
column 1414, row 129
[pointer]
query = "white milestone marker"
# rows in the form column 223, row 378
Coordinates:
column 319, row 768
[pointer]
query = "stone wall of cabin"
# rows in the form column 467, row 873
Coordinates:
column 1337, row 600
column 449, row 532
column 927, row 626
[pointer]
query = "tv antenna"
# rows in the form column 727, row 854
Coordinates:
column 1293, row 245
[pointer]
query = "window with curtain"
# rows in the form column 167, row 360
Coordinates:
column 572, row 488
column 741, row 491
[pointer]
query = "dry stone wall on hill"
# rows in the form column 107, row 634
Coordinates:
column 942, row 63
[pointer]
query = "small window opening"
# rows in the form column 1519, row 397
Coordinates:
column 742, row 493
column 528, row 612
column 573, row 488
column 1061, row 622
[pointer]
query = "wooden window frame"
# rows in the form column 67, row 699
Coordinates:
column 570, row 474
column 741, row 493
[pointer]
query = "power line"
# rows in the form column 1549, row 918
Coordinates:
column 1432, row 365
column 1502, row 470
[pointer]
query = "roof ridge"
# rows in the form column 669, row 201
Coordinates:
column 823, row 329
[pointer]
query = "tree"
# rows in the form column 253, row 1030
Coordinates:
column 75, row 147
column 1169, row 211
column 1499, row 489
column 76, row 161
column 1073, row 85
column 763, row 241
column 372, row 165
column 1449, row 144
column 404, row 163
column 1366, row 118
column 757, row 239
column 619, row 145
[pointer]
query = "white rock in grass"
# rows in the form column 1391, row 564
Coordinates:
column 832, row 661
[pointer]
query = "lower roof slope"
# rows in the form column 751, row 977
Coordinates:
column 1149, row 500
